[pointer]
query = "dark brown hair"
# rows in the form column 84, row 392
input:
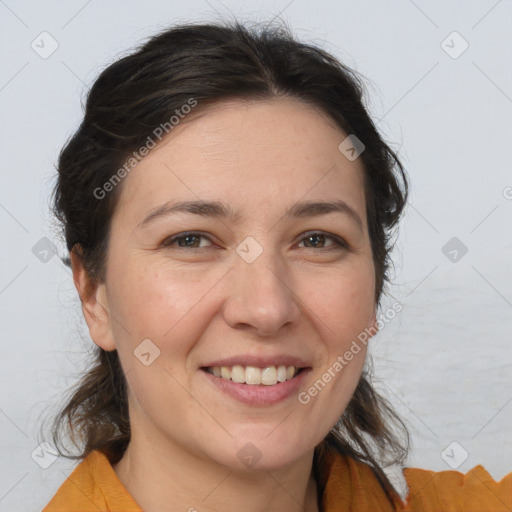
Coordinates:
column 140, row 92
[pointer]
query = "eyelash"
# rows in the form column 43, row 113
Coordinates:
column 339, row 242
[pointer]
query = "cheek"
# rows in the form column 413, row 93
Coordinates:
column 152, row 299
column 345, row 306
column 344, row 302
column 171, row 308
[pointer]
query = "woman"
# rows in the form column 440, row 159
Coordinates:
column 228, row 204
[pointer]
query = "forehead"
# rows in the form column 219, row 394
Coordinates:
column 244, row 152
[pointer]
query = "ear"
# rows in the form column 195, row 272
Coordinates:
column 94, row 302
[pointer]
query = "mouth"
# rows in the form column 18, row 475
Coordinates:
column 254, row 375
column 257, row 386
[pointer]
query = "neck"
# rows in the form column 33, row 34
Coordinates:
column 175, row 479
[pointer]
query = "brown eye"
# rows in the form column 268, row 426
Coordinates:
column 319, row 240
column 186, row 241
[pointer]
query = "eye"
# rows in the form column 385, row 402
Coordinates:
column 197, row 240
column 188, row 240
column 318, row 239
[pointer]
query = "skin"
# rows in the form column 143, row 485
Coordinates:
column 308, row 298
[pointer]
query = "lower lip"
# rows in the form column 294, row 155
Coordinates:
column 260, row 395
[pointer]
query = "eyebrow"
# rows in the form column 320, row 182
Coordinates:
column 216, row 209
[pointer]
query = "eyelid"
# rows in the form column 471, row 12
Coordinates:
column 338, row 241
column 169, row 241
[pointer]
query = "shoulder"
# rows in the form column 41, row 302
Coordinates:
column 450, row 491
column 352, row 484
column 92, row 486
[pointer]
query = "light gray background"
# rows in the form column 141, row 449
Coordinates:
column 444, row 362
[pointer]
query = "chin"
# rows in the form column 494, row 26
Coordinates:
column 262, row 452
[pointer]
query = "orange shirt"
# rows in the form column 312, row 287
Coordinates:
column 351, row 486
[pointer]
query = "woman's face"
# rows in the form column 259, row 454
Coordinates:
column 263, row 282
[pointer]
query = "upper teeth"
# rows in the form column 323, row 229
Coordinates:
column 268, row 376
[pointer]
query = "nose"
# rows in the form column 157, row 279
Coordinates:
column 261, row 298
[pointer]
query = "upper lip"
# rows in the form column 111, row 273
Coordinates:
column 260, row 361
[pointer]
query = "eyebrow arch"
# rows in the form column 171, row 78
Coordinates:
column 314, row 208
column 217, row 209
column 202, row 208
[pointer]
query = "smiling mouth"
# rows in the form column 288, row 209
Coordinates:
column 253, row 375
